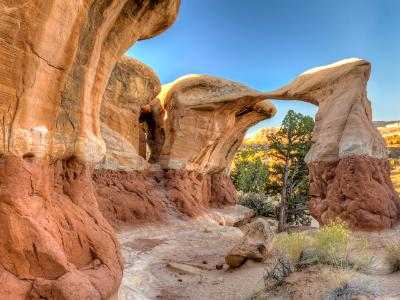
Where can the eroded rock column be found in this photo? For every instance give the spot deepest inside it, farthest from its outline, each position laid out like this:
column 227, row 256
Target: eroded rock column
column 348, row 162
column 56, row 58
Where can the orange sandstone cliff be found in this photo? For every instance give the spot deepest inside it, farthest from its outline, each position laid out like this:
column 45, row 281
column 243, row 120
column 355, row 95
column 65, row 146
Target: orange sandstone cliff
column 56, row 58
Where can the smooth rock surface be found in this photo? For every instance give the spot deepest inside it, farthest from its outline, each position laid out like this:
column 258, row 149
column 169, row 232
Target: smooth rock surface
column 213, row 112
column 183, row 268
column 132, row 85
column 148, row 249
column 56, row 58
column 63, row 53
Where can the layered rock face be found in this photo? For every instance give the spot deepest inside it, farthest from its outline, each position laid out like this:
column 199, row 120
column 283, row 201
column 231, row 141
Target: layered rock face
column 349, row 171
column 131, row 87
column 56, row 58
column 193, row 129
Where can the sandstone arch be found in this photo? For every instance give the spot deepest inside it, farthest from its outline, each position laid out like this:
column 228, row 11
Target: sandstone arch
column 350, row 175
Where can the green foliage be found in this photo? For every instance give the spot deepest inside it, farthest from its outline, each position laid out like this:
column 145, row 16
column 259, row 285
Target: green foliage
column 331, row 241
column 333, row 245
column 261, row 204
column 293, row 245
column 272, row 162
column 288, row 171
column 249, row 174
column 329, row 245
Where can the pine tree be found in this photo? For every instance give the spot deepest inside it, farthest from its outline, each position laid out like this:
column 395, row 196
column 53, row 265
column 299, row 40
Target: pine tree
column 289, row 174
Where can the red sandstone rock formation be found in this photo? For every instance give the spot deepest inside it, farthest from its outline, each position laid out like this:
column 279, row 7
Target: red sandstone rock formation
column 215, row 114
column 52, row 234
column 200, row 122
column 187, row 176
column 135, row 197
column 65, row 110
column 56, row 58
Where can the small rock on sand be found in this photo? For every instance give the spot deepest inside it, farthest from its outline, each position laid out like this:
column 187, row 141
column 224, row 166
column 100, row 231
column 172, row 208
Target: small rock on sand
column 183, row 268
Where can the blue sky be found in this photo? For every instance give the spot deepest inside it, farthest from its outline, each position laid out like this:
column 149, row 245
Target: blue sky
column 266, row 43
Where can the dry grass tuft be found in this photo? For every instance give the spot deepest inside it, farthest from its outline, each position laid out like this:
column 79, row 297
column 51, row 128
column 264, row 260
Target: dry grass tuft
column 293, row 245
column 392, row 254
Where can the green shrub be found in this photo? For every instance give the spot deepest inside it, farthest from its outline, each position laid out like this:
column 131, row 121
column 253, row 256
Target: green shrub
column 392, row 254
column 331, row 241
column 248, row 172
column 293, row 245
column 330, row 245
column 261, row 205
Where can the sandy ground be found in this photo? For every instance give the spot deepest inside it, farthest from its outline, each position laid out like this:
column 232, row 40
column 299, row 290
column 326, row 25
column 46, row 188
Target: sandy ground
column 201, row 243
column 384, row 287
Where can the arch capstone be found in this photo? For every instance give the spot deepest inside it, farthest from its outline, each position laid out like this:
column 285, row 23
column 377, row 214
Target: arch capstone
column 201, row 120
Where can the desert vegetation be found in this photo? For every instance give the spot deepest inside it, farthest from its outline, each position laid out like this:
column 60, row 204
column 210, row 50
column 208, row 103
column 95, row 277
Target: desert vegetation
column 331, row 245
column 270, row 172
column 332, row 255
column 392, row 254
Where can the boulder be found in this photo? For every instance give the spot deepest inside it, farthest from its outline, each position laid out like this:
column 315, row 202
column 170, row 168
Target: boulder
column 235, row 216
column 255, row 244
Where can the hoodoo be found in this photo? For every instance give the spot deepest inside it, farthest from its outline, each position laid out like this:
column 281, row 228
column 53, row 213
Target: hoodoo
column 348, row 162
column 56, row 58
